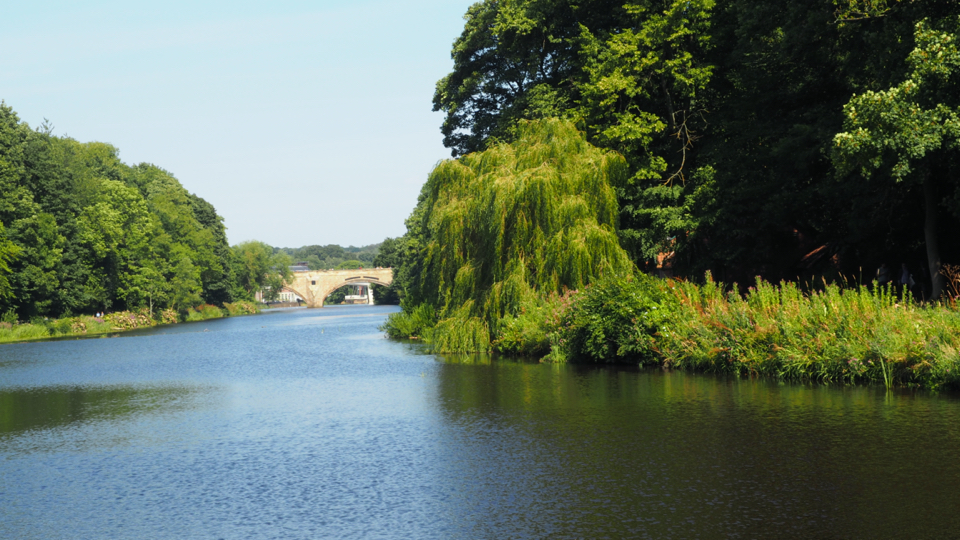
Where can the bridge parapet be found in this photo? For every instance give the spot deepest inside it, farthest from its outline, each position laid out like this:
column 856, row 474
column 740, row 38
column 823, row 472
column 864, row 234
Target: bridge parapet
column 316, row 285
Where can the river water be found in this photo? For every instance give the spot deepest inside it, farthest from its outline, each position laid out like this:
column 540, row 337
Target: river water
column 309, row 424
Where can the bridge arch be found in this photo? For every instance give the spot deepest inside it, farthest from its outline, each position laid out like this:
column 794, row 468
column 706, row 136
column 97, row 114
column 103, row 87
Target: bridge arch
column 315, row 286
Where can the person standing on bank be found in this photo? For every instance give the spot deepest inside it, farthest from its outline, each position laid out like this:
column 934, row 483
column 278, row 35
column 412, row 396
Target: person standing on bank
column 883, row 275
column 906, row 280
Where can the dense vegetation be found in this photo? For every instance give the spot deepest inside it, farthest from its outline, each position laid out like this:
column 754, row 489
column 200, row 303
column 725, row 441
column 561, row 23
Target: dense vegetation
column 747, row 154
column 743, row 156
column 82, row 232
column 835, row 334
column 498, row 231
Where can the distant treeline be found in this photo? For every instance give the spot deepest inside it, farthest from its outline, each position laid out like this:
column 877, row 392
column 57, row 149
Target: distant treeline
column 82, row 232
column 331, row 256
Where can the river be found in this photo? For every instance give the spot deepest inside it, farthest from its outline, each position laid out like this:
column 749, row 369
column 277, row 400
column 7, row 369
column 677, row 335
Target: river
column 309, row 424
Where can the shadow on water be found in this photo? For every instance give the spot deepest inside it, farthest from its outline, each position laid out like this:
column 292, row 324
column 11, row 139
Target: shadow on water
column 626, row 452
column 308, row 424
column 26, row 409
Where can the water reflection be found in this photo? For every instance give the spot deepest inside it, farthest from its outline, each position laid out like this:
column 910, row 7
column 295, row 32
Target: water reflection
column 623, row 452
column 308, row 424
column 25, row 409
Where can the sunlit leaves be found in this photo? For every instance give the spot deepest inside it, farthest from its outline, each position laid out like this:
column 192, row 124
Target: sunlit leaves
column 893, row 129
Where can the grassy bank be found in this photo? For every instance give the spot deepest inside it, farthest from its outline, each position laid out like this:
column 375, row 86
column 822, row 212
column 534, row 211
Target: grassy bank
column 84, row 325
column 844, row 335
column 851, row 335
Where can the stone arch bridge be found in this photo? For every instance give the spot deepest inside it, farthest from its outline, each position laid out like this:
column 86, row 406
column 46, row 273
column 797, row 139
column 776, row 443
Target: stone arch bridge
column 316, row 285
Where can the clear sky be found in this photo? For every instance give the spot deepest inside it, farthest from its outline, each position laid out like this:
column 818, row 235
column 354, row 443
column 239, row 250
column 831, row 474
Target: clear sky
column 301, row 122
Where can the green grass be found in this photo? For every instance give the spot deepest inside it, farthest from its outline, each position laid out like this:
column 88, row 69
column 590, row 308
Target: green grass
column 85, row 325
column 23, row 332
column 204, row 312
column 836, row 334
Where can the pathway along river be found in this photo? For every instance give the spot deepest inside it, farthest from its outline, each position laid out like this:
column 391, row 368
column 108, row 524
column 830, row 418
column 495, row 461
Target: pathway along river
column 309, row 424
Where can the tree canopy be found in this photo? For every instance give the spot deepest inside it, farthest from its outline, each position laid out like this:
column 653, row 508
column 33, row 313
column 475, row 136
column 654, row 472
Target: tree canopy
column 495, row 230
column 726, row 114
column 80, row 231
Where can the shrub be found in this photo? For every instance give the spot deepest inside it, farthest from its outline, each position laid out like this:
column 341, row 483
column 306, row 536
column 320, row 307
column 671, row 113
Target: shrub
column 841, row 335
column 129, row 320
column 241, row 307
column 530, row 332
column 9, row 317
column 412, row 324
column 614, row 319
column 168, row 316
column 60, row 326
column 204, row 312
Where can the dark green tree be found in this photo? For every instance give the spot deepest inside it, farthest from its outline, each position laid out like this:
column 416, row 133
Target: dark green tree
column 907, row 132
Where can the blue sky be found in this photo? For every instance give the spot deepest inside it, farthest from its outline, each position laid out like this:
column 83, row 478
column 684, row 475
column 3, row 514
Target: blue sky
column 302, row 122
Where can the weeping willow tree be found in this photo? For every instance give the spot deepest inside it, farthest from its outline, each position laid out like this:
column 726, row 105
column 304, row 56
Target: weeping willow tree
column 497, row 234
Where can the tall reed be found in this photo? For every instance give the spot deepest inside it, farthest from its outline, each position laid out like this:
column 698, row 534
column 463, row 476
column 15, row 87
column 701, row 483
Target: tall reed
column 835, row 334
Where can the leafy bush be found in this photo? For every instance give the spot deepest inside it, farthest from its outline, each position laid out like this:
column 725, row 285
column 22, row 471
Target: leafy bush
column 9, row 317
column 129, row 320
column 530, row 332
column 204, row 312
column 168, row 316
column 60, row 326
column 614, row 319
column 241, row 307
column 413, row 324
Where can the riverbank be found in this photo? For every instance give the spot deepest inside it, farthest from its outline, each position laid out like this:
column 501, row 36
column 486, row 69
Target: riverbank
column 844, row 335
column 121, row 321
column 831, row 335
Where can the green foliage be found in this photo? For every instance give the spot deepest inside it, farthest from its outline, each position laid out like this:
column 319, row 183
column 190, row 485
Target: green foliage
column 277, row 277
column 641, row 83
column 350, row 265
column 905, row 131
column 34, row 274
column 330, row 256
column 92, row 233
column 204, row 312
column 185, row 285
column 23, row 332
column 241, row 307
column 416, row 323
column 726, row 115
column 8, row 254
column 614, row 319
column 532, row 331
column 515, row 60
column 832, row 335
column 461, row 333
column 897, row 127
column 500, row 228
column 336, row 297
column 258, row 267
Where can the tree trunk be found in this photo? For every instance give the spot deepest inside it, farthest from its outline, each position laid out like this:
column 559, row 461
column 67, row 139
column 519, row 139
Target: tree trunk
column 930, row 234
column 669, row 102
